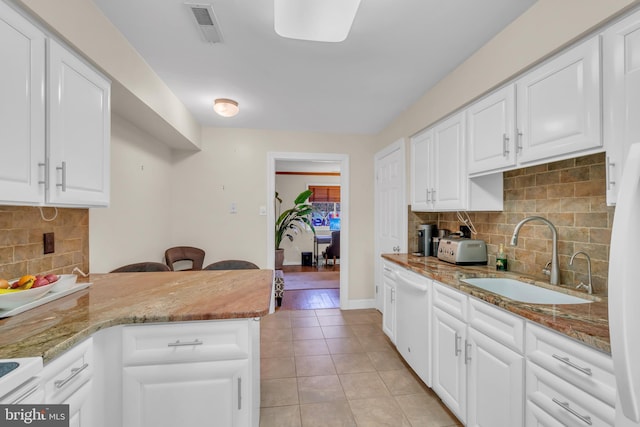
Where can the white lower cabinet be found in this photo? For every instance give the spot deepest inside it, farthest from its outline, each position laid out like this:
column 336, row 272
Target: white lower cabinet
column 389, row 301
column 189, row 394
column 69, row 380
column 191, row 373
column 449, row 370
column 495, row 382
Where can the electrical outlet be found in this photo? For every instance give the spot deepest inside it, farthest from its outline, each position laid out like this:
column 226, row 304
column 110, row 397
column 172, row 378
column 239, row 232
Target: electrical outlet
column 49, row 243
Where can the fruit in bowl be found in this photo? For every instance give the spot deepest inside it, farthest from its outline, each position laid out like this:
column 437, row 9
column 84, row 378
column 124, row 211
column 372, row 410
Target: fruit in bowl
column 15, row 297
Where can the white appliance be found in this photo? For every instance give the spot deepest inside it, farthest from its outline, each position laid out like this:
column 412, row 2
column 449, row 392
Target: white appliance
column 624, row 293
column 21, row 383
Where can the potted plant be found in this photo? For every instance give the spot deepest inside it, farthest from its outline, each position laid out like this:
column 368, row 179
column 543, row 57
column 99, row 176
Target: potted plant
column 291, row 222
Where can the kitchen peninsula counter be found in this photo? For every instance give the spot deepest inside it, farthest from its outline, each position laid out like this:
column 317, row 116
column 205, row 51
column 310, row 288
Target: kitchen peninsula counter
column 588, row 323
column 133, row 298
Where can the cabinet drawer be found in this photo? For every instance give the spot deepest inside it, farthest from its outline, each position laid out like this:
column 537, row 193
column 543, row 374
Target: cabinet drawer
column 184, row 342
column 564, row 402
column 450, row 301
column 66, row 374
column 388, row 270
column 498, row 324
column 584, row 367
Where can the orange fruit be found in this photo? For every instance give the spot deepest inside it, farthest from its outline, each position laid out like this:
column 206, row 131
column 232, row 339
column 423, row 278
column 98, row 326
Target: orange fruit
column 26, row 281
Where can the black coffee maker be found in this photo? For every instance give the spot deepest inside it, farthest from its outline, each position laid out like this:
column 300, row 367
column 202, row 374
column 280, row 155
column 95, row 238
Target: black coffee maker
column 426, row 232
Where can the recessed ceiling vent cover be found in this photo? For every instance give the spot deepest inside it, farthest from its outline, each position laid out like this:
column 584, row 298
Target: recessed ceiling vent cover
column 206, row 21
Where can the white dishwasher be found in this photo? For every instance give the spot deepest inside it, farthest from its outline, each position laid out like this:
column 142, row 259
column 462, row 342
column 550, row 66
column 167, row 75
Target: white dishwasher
column 413, row 321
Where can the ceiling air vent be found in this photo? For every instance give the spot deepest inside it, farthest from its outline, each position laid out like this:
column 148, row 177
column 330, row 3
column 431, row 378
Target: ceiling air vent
column 206, row 21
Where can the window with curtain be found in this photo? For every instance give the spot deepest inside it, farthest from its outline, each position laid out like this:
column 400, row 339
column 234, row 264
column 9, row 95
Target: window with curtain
column 326, row 203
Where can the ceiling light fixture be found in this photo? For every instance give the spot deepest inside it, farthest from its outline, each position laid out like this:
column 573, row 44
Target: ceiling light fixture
column 315, row 20
column 225, row 107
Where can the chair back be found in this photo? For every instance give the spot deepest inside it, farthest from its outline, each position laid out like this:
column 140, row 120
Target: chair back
column 232, row 264
column 335, row 243
column 142, row 267
column 185, row 253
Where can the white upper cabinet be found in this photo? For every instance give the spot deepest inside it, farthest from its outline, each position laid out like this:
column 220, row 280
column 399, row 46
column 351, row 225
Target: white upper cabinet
column 79, row 130
column 60, row 157
column 490, row 132
column 621, row 81
column 22, row 112
column 558, row 105
column 450, row 175
column 422, row 171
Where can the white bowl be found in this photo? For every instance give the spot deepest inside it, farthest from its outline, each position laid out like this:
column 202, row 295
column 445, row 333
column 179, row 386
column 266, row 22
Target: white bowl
column 64, row 282
column 15, row 299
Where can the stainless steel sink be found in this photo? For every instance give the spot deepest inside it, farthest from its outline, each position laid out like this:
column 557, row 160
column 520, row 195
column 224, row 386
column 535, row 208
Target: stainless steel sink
column 523, row 292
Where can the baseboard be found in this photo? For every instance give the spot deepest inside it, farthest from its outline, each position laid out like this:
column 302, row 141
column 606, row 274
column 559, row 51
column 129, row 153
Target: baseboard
column 355, row 304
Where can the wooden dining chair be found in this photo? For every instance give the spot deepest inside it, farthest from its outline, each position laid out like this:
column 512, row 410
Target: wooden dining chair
column 185, row 253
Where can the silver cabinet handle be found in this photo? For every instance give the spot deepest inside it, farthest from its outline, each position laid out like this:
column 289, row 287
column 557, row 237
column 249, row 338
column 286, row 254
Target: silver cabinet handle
column 519, row 141
column 610, row 181
column 428, row 195
column 386, row 269
column 26, row 394
column 74, row 373
column 239, row 394
column 45, row 181
column 458, row 340
column 433, row 195
column 565, row 405
column 505, row 145
column 63, row 169
column 185, row 344
column 393, row 295
column 467, row 352
column 566, row 360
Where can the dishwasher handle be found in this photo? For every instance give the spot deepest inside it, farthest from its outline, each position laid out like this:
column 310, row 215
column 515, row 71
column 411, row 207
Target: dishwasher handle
column 412, row 284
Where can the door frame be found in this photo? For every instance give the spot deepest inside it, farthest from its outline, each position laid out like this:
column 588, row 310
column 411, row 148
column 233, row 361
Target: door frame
column 343, row 159
column 400, row 146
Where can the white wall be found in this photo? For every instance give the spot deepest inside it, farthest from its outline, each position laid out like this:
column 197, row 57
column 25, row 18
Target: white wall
column 137, row 225
column 288, row 188
column 232, row 167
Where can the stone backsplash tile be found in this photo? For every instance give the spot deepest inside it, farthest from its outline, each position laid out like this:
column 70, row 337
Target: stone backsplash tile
column 571, row 194
column 21, row 245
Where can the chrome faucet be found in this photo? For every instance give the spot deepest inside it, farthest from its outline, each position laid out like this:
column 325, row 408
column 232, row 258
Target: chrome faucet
column 589, row 286
column 554, row 278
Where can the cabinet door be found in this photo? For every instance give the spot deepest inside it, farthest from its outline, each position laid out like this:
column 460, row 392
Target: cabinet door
column 389, row 308
column 421, row 171
column 79, row 129
column 80, row 406
column 495, row 387
column 186, row 394
column 490, row 132
column 449, row 371
column 449, row 165
column 558, row 105
column 621, row 89
column 22, row 113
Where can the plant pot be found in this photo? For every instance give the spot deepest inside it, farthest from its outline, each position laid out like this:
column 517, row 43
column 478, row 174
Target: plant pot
column 279, row 259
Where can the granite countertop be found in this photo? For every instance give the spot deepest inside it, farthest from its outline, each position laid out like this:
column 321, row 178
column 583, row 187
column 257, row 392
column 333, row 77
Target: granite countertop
column 127, row 298
column 588, row 323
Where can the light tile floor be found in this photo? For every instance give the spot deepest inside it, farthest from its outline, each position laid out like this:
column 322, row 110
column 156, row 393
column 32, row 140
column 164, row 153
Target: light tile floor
column 337, row 368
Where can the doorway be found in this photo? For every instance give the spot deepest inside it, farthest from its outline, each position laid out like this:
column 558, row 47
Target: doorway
column 314, row 158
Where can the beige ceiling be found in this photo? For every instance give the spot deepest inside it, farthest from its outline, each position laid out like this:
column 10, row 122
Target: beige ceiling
column 395, row 52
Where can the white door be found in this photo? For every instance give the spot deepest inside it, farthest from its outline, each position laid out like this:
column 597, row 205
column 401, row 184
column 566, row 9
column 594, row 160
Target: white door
column 621, row 90
column 558, row 105
column 495, row 383
column 421, row 171
column 449, row 371
column 186, row 394
column 450, row 164
column 491, row 131
column 79, row 129
column 391, row 214
column 22, row 143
